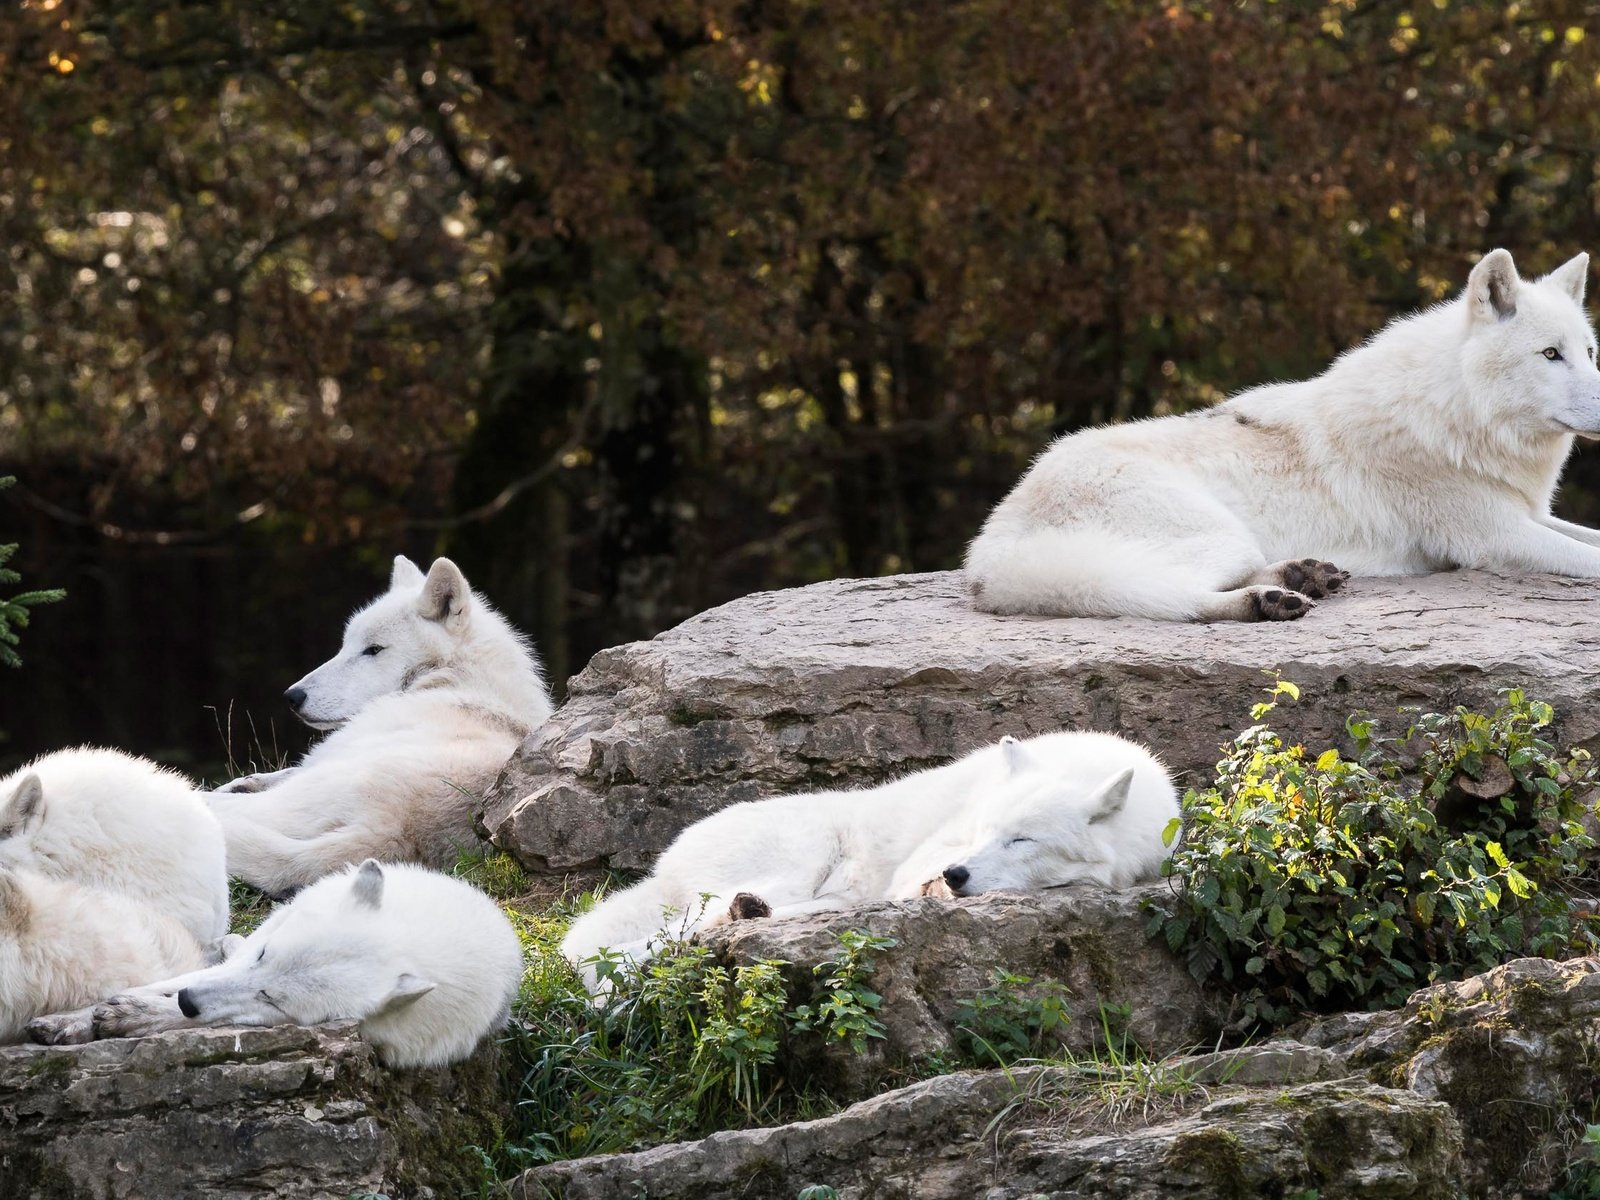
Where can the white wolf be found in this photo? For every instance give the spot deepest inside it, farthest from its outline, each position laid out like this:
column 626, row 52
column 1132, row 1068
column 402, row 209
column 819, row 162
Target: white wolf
column 64, row 946
column 427, row 964
column 428, row 696
column 1435, row 445
column 1051, row 810
column 122, row 824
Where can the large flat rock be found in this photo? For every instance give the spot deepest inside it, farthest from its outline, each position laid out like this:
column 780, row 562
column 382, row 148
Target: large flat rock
column 228, row 1114
column 854, row 681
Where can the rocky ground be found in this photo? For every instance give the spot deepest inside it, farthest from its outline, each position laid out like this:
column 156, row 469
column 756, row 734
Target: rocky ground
column 296, row 1114
column 855, row 681
column 1479, row 1089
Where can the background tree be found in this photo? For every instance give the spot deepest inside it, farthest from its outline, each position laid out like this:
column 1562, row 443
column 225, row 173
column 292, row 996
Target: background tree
column 635, row 307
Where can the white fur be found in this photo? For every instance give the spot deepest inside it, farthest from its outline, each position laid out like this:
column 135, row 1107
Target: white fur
column 419, row 730
column 427, row 964
column 1051, row 810
column 65, row 946
column 112, row 821
column 1435, row 445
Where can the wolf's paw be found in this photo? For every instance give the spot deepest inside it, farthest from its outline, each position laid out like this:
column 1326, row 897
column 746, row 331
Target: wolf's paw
column 1313, row 577
column 245, row 783
column 63, row 1029
column 134, row 1016
column 1277, row 604
column 747, row 906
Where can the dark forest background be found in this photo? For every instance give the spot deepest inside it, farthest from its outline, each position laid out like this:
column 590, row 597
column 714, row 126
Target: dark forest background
column 634, row 306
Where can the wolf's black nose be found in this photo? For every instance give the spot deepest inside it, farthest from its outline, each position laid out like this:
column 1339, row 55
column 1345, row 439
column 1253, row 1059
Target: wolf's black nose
column 296, row 698
column 956, row 877
column 186, row 1004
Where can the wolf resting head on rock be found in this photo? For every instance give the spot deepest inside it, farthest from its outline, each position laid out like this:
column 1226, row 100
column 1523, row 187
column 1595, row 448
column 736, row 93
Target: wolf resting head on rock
column 1055, row 809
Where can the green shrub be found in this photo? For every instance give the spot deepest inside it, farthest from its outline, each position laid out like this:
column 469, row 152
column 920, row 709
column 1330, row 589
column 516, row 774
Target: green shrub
column 847, row 1009
column 14, row 610
column 683, row 1046
column 1010, row 1018
column 1310, row 881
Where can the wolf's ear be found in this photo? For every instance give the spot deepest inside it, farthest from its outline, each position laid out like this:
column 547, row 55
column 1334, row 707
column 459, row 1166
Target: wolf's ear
column 367, row 890
column 1572, row 276
column 406, row 574
column 446, row 598
column 1108, row 801
column 407, row 990
column 25, row 809
column 1492, row 287
column 1016, row 759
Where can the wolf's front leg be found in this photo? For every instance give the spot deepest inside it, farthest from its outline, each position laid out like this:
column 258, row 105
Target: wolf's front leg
column 1530, row 545
column 259, row 782
column 1581, row 533
column 139, row 1012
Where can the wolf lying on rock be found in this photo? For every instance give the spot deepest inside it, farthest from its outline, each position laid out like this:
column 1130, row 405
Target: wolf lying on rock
column 1048, row 811
column 1435, row 445
column 428, row 696
column 428, row 964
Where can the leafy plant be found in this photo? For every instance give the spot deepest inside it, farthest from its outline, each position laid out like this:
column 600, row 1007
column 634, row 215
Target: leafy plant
column 1010, row 1018
column 1314, row 881
column 684, row 1045
column 14, row 610
column 848, row 1008
column 1582, row 1181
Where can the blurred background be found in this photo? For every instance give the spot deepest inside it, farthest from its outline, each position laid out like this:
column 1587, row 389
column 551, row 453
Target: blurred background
column 634, row 306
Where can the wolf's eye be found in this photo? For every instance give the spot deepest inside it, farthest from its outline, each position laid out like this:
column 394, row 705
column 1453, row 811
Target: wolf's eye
column 372, row 651
column 1551, row 353
column 262, row 955
column 1019, row 841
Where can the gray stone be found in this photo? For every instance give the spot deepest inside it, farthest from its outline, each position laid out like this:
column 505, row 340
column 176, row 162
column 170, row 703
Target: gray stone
column 293, row 1113
column 854, row 681
column 1013, row 1136
column 1280, row 1061
column 1511, row 1051
column 1087, row 938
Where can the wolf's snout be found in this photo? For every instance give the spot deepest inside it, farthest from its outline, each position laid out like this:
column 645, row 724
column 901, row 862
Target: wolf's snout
column 956, row 877
column 186, row 1004
column 296, row 697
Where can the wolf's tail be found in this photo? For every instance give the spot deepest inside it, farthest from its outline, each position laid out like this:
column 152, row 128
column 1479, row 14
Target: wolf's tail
column 1084, row 573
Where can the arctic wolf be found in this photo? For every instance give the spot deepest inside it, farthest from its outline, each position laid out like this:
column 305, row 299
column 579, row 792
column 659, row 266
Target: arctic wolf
column 122, row 824
column 428, row 696
column 427, row 964
column 1050, row 810
column 1435, row 445
column 67, row 946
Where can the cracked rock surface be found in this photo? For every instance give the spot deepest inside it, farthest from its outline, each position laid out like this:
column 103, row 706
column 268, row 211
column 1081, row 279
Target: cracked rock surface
column 854, row 681
column 228, row 1114
column 1002, row 1136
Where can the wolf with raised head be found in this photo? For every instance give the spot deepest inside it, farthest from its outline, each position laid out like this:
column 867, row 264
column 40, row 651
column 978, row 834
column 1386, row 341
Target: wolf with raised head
column 121, row 824
column 429, row 694
column 1435, row 445
column 427, row 964
column 1052, row 810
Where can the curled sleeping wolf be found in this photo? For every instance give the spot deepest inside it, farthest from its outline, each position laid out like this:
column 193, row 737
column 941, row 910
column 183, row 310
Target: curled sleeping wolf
column 1435, row 445
column 427, row 964
column 426, row 699
column 111, row 874
column 1050, row 810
